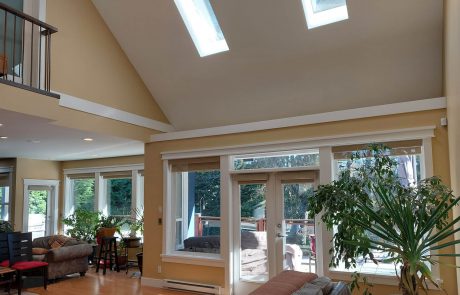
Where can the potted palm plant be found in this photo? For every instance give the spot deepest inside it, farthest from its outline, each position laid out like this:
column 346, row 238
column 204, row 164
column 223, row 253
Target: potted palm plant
column 372, row 210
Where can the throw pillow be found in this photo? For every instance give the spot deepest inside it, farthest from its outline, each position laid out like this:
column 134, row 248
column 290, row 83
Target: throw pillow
column 324, row 283
column 308, row 289
column 341, row 289
column 56, row 245
column 39, row 251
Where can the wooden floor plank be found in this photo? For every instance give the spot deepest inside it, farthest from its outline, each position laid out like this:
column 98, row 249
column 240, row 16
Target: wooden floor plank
column 96, row 283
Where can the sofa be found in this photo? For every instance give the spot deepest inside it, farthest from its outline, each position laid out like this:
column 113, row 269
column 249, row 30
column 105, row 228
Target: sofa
column 290, row 282
column 64, row 255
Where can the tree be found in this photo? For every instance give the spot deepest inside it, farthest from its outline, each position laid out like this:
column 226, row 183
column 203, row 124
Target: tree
column 37, row 202
column 83, row 191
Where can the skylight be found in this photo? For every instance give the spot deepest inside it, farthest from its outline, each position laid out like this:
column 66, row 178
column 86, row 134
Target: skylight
column 323, row 12
column 201, row 22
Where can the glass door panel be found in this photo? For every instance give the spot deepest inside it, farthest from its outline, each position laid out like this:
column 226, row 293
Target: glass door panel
column 38, row 212
column 253, row 237
column 300, row 240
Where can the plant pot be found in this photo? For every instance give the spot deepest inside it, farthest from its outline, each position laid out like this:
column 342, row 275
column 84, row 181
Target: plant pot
column 122, row 260
column 133, row 242
column 104, row 232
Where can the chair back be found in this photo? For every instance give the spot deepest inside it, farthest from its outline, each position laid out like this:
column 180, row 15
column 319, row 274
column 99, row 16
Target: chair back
column 20, row 247
column 4, row 247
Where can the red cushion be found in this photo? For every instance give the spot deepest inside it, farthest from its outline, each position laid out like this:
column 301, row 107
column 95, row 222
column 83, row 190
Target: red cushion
column 5, row 263
column 25, row 265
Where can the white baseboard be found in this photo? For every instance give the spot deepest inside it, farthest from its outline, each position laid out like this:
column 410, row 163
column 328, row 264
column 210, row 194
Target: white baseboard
column 151, row 282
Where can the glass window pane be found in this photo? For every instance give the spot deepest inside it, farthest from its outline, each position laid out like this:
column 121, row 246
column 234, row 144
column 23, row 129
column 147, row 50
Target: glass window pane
column 198, row 208
column 281, row 160
column 322, row 5
column 409, row 171
column 38, row 203
column 83, row 193
column 119, row 196
column 253, row 255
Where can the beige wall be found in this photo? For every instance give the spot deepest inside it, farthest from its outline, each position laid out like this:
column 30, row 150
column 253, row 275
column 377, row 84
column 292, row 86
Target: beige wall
column 87, row 61
column 452, row 92
column 31, row 169
column 154, row 182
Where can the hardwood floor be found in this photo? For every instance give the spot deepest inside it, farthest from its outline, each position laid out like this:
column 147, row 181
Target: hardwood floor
column 96, row 283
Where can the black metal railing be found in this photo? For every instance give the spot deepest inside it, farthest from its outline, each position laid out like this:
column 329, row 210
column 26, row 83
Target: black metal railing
column 25, row 51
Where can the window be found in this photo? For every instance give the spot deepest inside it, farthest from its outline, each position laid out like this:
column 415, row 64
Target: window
column 201, row 22
column 408, row 169
column 83, row 193
column 277, row 160
column 5, row 195
column 109, row 190
column 119, row 196
column 196, row 205
column 324, row 12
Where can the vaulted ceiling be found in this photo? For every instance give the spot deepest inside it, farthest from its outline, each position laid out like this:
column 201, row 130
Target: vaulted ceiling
column 388, row 51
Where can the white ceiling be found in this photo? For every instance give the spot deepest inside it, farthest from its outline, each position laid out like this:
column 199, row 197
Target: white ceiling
column 55, row 142
column 388, row 51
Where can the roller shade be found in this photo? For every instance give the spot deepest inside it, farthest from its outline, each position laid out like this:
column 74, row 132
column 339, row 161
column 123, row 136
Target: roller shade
column 4, row 179
column 117, row 174
column 39, row 188
column 398, row 148
column 252, row 178
column 195, row 164
column 81, row 176
column 298, row 176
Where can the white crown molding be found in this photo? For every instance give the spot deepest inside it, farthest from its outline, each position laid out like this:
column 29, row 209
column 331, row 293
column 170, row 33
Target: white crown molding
column 358, row 113
column 422, row 132
column 90, row 107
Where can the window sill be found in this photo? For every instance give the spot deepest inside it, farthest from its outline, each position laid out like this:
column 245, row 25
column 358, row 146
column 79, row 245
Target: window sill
column 204, row 260
column 389, row 280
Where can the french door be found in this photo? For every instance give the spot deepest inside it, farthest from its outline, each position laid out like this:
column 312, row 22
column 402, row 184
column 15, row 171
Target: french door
column 273, row 229
column 40, row 207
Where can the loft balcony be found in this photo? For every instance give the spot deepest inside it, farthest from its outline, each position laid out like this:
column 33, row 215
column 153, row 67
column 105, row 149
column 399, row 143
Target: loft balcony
column 25, row 51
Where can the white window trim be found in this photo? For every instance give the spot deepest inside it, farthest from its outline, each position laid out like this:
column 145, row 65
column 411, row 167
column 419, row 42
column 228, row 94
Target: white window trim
column 53, row 203
column 169, row 253
column 322, row 18
column 425, row 133
column 326, row 177
column 101, row 200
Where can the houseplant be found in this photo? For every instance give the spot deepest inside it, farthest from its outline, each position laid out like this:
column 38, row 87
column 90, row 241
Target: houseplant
column 82, row 224
column 136, row 225
column 6, row 226
column 109, row 225
column 371, row 210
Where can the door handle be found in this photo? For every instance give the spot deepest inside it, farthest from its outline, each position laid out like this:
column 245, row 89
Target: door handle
column 279, row 235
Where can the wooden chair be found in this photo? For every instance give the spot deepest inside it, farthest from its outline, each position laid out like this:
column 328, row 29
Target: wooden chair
column 20, row 258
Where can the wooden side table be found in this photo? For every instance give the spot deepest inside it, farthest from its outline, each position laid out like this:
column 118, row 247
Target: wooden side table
column 6, row 277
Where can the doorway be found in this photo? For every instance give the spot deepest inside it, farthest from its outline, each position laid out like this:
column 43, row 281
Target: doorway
column 274, row 230
column 40, row 207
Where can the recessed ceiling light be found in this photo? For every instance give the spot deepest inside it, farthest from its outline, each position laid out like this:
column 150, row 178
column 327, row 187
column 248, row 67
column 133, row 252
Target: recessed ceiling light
column 3, row 137
column 1, row 124
column 88, row 139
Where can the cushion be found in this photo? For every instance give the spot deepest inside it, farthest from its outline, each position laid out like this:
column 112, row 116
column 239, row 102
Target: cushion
column 5, row 263
column 56, row 245
column 309, row 289
column 274, row 288
column 340, row 289
column 324, row 283
column 39, row 251
column 25, row 265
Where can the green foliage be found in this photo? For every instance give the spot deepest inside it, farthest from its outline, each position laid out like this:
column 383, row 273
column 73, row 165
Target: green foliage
column 37, row 202
column 407, row 222
column 207, row 192
column 120, row 192
column 6, row 226
column 83, row 191
column 136, row 224
column 82, row 224
column 111, row 222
